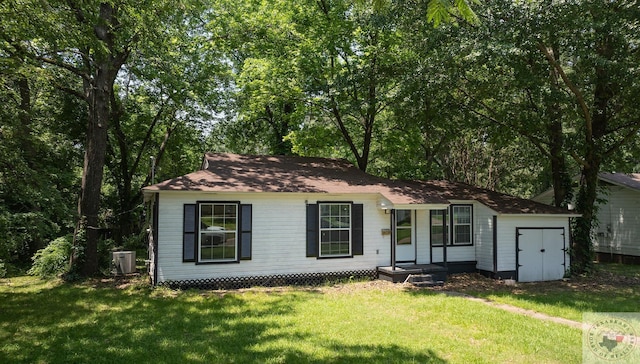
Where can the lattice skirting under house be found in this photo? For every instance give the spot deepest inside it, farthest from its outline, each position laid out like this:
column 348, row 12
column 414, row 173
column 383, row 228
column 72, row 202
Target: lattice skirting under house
column 301, row 279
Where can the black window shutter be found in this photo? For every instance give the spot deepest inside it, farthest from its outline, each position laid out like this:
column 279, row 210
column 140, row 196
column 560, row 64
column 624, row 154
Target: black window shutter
column 245, row 232
column 312, row 230
column 357, row 229
column 189, row 233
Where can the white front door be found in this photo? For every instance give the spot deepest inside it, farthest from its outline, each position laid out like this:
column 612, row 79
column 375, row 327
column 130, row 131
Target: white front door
column 405, row 244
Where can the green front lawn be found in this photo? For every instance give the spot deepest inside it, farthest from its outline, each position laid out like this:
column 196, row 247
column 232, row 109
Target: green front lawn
column 626, row 270
column 370, row 322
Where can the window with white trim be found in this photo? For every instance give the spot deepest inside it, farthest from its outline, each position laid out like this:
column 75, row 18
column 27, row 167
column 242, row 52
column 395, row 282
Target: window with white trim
column 335, row 229
column 461, row 225
column 218, row 235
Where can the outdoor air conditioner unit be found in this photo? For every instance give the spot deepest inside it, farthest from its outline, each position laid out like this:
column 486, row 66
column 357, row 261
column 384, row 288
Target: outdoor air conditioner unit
column 124, row 262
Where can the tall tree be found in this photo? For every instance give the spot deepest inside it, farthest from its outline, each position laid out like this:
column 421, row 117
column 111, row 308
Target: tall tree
column 265, row 103
column 320, row 65
column 358, row 70
column 503, row 82
column 604, row 87
column 164, row 100
column 37, row 159
column 565, row 82
column 91, row 41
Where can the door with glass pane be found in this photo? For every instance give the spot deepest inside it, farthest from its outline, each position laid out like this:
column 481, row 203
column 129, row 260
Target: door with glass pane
column 438, row 234
column 404, row 237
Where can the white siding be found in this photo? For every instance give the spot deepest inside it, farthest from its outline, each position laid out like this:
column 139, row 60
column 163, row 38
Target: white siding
column 618, row 229
column 507, row 235
column 464, row 253
column 436, row 254
column 278, row 239
column 483, row 236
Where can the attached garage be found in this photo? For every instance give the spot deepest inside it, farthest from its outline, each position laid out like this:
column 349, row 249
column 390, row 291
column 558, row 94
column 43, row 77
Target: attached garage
column 540, row 254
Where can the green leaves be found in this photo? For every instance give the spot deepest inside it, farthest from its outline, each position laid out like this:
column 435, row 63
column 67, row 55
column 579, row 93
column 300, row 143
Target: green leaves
column 441, row 11
column 410, row 89
column 38, row 181
column 438, row 11
column 52, row 260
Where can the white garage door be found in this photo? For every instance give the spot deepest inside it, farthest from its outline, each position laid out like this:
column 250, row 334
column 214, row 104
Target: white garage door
column 541, row 254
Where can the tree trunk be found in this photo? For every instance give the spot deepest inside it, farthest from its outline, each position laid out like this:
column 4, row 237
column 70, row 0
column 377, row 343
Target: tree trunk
column 92, row 174
column 279, row 125
column 559, row 175
column 582, row 247
column 124, row 174
column 105, row 64
column 596, row 125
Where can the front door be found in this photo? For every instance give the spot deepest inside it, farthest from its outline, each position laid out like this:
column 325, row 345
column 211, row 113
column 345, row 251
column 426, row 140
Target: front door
column 405, row 244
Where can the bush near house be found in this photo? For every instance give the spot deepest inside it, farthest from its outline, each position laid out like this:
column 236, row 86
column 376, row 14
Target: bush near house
column 53, row 260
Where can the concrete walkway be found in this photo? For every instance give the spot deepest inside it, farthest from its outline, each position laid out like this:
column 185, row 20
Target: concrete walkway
column 514, row 309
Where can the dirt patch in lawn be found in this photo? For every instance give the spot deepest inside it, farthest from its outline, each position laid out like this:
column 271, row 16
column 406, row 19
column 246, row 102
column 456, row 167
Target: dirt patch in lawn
column 599, row 281
column 594, row 292
column 468, row 283
column 336, row 288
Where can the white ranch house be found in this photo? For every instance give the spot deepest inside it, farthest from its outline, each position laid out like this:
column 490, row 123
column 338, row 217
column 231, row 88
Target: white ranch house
column 281, row 218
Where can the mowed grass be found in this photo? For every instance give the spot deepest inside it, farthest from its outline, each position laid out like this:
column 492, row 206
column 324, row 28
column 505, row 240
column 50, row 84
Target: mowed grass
column 627, row 270
column 611, row 288
column 370, row 322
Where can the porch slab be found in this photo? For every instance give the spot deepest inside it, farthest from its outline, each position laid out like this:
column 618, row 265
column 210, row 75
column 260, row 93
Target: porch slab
column 401, row 272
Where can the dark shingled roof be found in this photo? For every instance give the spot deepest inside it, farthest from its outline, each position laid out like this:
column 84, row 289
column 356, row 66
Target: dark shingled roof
column 244, row 173
column 499, row 202
column 629, row 180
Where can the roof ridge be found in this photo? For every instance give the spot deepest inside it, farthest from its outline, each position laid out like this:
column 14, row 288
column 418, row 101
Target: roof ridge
column 239, row 173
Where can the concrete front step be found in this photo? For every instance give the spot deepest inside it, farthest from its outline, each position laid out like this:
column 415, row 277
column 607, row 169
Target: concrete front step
column 424, row 280
column 428, row 284
column 401, row 273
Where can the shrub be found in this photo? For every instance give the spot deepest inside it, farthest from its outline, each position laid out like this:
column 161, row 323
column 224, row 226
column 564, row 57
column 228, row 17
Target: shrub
column 105, row 248
column 135, row 241
column 53, row 260
column 3, row 269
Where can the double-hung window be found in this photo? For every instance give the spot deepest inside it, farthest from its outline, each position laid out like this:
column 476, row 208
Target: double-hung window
column 335, row 229
column 461, row 224
column 452, row 226
column 218, row 235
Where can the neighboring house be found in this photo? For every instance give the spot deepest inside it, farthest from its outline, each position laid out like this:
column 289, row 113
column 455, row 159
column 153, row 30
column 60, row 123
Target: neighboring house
column 281, row 217
column 617, row 234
